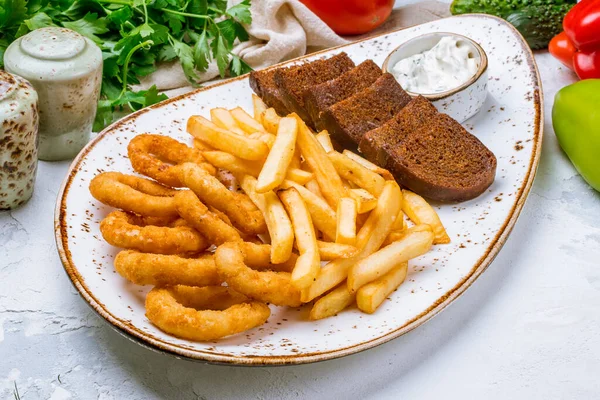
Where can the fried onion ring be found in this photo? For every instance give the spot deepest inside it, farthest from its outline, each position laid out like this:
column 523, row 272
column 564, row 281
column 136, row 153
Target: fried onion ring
column 125, row 230
column 268, row 286
column 134, row 194
column 166, row 270
column 207, row 223
column 243, row 214
column 258, row 257
column 159, row 157
column 203, row 313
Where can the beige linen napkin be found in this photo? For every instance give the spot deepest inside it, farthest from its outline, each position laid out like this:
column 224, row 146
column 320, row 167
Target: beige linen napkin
column 282, row 30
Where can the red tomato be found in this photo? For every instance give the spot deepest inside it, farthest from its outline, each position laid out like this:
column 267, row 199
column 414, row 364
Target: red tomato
column 587, row 64
column 562, row 49
column 351, row 17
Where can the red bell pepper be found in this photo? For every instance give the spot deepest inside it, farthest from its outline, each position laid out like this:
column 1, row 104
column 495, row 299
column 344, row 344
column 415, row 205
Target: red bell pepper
column 578, row 47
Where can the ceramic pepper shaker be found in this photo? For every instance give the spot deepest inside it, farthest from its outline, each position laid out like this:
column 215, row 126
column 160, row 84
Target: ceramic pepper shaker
column 65, row 68
column 18, row 140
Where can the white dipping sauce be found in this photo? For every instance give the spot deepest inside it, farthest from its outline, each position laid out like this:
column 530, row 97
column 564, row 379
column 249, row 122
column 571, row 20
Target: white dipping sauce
column 447, row 65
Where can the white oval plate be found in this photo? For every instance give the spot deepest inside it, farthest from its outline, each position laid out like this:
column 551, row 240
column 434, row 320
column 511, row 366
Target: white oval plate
column 509, row 124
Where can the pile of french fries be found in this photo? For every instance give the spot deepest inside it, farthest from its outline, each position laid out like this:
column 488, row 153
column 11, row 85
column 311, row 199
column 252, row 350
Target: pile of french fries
column 342, row 214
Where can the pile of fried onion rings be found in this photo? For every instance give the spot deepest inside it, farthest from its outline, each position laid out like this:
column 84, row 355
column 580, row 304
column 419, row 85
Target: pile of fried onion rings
column 168, row 224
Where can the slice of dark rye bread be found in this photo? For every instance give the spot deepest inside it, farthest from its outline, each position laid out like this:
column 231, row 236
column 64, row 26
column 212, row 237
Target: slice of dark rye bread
column 348, row 120
column 442, row 161
column 264, row 86
column 318, row 98
column 294, row 81
column 377, row 144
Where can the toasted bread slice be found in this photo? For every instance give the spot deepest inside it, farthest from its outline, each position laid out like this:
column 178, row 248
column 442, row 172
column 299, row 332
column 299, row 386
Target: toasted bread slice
column 442, row 161
column 377, row 144
column 348, row 120
column 264, row 86
column 294, row 81
column 318, row 98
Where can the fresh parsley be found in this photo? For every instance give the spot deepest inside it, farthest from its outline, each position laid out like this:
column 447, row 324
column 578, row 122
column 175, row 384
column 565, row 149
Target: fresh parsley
column 134, row 35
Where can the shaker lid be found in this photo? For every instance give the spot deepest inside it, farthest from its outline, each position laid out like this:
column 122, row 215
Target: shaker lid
column 52, row 54
column 8, row 84
column 53, row 43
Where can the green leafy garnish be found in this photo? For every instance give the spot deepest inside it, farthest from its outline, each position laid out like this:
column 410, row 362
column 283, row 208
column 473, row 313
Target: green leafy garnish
column 134, row 35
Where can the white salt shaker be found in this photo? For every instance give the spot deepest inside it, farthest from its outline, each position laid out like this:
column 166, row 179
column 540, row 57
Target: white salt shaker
column 18, row 140
column 65, row 68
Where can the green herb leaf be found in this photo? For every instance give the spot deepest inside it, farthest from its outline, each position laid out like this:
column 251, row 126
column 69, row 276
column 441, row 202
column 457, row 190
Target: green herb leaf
column 146, row 30
column 160, row 35
column 240, row 31
column 143, row 70
column 202, row 53
column 167, row 53
column 90, row 26
column 227, row 31
column 239, row 66
column 121, row 15
column 12, row 13
column 241, row 12
column 39, row 20
column 199, row 7
column 186, row 58
column 110, row 67
column 152, row 96
column 175, row 22
column 104, row 115
column 220, row 53
column 220, row 5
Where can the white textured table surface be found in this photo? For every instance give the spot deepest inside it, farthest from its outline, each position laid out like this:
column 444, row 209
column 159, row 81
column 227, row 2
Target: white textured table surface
column 529, row 328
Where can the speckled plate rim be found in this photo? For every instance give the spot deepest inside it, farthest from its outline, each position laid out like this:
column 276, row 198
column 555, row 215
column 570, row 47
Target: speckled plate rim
column 160, row 345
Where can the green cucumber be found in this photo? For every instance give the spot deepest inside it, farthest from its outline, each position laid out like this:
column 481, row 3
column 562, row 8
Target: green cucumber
column 537, row 20
column 539, row 24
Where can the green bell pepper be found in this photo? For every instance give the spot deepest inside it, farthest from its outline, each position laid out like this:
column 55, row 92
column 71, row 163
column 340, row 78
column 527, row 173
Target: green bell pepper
column 576, row 121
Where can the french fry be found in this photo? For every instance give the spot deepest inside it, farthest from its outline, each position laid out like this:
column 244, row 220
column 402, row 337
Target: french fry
column 346, row 221
column 332, row 303
column 233, row 164
column 299, row 176
column 360, row 221
column 239, row 167
column 394, row 236
column 313, row 186
column 278, row 223
column 371, row 236
column 381, row 262
column 373, row 233
column 387, row 175
column 275, row 168
column 245, row 121
column 259, row 107
column 200, row 145
column 356, row 173
column 309, row 262
column 400, row 223
column 295, row 163
column 222, row 118
column 330, row 251
column 365, row 201
column 420, row 212
column 270, row 120
column 325, row 140
column 321, row 166
column 370, row 296
column 265, row 137
column 322, row 214
column 221, row 139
